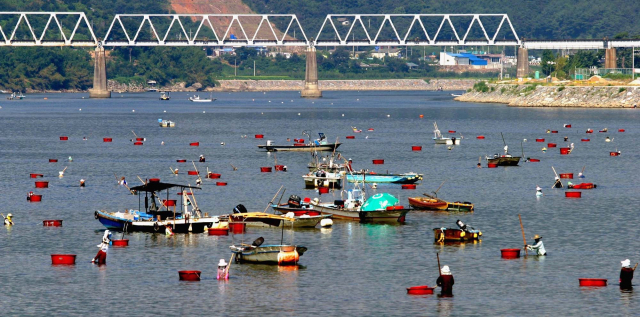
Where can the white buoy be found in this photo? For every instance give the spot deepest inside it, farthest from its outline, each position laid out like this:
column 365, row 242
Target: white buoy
column 343, row 114
column 298, row 113
column 388, row 116
column 326, row 222
column 165, row 111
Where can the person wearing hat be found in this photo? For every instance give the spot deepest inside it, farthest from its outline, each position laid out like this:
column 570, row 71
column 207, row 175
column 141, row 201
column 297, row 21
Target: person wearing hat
column 558, row 183
column 223, row 272
column 101, row 257
column 539, row 191
column 8, row 220
column 82, row 183
column 445, row 281
column 202, row 159
column 538, row 247
column 626, row 274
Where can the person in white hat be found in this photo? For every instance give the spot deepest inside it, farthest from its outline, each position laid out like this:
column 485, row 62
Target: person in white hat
column 538, row 247
column 82, row 183
column 202, row 159
column 101, row 257
column 538, row 191
column 445, row 281
column 223, row 272
column 626, row 274
column 8, row 220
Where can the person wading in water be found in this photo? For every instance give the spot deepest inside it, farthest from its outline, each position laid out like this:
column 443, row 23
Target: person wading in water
column 626, row 274
column 445, row 281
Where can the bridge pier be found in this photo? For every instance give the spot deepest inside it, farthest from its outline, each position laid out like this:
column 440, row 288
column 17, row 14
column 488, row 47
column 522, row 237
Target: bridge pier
column 610, row 58
column 100, row 76
column 523, row 62
column 311, row 89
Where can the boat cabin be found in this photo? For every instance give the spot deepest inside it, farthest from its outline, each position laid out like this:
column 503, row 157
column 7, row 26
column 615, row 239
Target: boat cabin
column 168, row 207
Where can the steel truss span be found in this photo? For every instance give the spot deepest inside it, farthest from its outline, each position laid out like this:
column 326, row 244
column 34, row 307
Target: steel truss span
column 235, row 30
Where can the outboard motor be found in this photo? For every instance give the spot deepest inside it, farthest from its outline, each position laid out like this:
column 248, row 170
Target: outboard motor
column 240, row 209
column 294, row 201
column 461, row 225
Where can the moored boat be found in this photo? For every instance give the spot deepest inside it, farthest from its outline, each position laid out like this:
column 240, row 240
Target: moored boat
column 268, row 254
column 440, row 139
column 370, row 177
column 382, row 207
column 320, row 144
column 262, row 219
column 166, row 123
column 462, row 233
column 323, row 179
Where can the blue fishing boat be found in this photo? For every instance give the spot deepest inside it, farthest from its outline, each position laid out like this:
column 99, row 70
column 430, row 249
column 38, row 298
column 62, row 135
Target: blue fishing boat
column 407, row 178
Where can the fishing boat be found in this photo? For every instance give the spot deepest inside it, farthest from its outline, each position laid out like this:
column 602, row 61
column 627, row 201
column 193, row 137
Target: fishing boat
column 382, row 206
column 266, row 220
column 15, row 96
column 196, row 98
column 165, row 96
column 166, row 123
column 505, row 159
column 440, row 139
column 371, row 177
column 432, row 202
column 329, row 163
column 319, row 144
column 323, row 179
column 158, row 216
column 462, row 233
column 280, row 254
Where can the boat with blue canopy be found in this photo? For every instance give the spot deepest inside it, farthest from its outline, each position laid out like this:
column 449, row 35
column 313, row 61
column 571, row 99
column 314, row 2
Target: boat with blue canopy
column 370, row 177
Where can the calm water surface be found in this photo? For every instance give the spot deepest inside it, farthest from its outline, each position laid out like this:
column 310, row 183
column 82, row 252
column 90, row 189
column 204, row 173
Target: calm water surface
column 351, row 269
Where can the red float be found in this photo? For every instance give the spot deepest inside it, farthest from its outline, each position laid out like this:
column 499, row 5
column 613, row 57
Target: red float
column 279, row 168
column 265, row 169
column 42, row 184
column 323, row 190
column 409, row 186
column 137, row 143
column 452, row 131
column 33, row 175
column 169, row 202
column 416, row 148
column 221, row 184
column 614, row 153
column 351, row 137
column 566, row 175
column 181, row 161
column 573, row 194
column 565, row 150
column 237, row 227
column 585, row 140
column 510, row 253
column 214, row 175
column 492, row 165
column 192, row 173
column 189, row 275
column 299, row 144
column 539, row 140
column 420, row 290
column 64, row 138
column 140, row 139
column 107, row 140
column 194, row 144
column 52, row 223
column 378, row 162
column 63, row 259
column 620, row 130
column 552, row 145
column 532, row 160
column 567, row 126
column 53, row 160
column 120, row 242
column 34, row 198
column 554, row 131
column 218, row 231
column 593, row 282
column 480, row 137
column 154, row 180
column 259, row 136
column 371, row 129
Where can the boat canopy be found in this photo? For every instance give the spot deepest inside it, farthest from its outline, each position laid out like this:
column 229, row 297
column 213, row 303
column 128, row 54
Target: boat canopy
column 379, row 202
column 158, row 186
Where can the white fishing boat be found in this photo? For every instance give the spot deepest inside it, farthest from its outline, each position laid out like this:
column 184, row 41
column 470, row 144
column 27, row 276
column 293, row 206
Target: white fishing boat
column 196, row 98
column 268, row 254
column 166, row 123
column 15, row 96
column 165, row 96
column 440, row 139
column 323, row 179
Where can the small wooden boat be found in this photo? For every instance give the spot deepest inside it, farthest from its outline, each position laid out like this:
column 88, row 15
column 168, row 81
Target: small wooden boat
column 262, row 219
column 440, row 139
column 320, row 144
column 582, row 186
column 432, row 203
column 462, row 233
column 268, row 254
column 370, row 177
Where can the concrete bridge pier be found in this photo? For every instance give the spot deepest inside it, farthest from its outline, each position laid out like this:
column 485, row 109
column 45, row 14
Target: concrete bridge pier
column 523, row 62
column 610, row 58
column 311, row 89
column 100, row 76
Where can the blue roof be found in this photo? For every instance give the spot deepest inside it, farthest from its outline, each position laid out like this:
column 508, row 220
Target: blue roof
column 473, row 60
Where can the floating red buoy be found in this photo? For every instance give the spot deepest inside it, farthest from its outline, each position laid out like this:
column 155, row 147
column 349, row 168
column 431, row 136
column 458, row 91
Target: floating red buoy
column 137, row 143
column 378, row 162
column 35, row 198
column 554, row 131
column 492, row 165
column 259, row 136
column 181, row 161
column 323, row 190
column 566, row 175
column 416, row 148
column 214, row 175
column 539, row 140
column 593, row 282
column 620, row 130
column 420, row 290
column 221, row 184
column 140, row 139
column 189, row 275
column 572, row 194
column 585, row 140
column 107, row 140
column 351, row 137
column 51, row 223
column 42, row 184
column 371, row 129
column 552, row 145
column 565, row 150
column 154, row 180
column 480, row 137
column 194, row 144
column 192, row 173
column 279, row 167
column 218, row 231
column 510, row 253
column 53, row 160
column 33, row 175
column 567, row 126
column 452, row 131
column 237, row 227
column 409, row 186
column 614, row 153
column 534, row 160
column 64, row 138
column 63, row 259
column 120, row 242
column 265, row 169
column 169, row 202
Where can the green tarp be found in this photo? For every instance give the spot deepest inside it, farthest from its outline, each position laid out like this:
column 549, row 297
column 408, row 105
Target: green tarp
column 379, row 202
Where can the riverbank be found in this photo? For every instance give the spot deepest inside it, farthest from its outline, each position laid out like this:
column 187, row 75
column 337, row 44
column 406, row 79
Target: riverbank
column 557, row 96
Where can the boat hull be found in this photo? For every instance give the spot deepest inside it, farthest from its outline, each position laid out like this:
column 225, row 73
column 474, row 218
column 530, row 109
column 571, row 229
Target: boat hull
column 447, row 141
column 150, row 226
column 451, row 234
column 385, row 178
column 439, row 205
column 302, row 148
column 505, row 161
column 270, row 254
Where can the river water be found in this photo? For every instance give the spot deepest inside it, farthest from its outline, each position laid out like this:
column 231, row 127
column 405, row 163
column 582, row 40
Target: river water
column 352, row 268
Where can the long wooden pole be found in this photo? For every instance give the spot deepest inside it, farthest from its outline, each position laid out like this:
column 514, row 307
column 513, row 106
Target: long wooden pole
column 526, row 253
column 272, row 199
column 229, row 266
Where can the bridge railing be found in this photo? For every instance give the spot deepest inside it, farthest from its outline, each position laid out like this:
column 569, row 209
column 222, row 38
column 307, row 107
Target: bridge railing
column 15, row 21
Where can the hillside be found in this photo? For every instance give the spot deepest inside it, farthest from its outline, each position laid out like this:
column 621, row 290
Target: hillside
column 544, row 19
